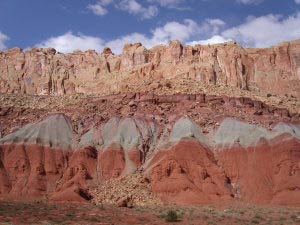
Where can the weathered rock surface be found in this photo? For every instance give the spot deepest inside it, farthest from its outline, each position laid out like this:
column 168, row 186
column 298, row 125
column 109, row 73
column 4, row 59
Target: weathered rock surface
column 232, row 132
column 184, row 169
column 181, row 163
column 125, row 143
column 33, row 158
column 263, row 165
column 30, row 170
column 187, row 173
column 40, row 160
column 45, row 71
column 55, row 131
column 267, row 172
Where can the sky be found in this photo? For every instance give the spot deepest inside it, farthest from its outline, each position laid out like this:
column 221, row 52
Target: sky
column 69, row 25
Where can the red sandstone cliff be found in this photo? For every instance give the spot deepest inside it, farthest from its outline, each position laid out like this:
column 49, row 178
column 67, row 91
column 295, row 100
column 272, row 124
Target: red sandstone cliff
column 45, row 71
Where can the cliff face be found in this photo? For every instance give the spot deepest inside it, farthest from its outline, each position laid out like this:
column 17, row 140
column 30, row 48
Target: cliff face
column 45, row 71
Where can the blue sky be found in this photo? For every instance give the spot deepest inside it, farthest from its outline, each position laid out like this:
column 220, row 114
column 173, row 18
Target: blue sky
column 68, row 25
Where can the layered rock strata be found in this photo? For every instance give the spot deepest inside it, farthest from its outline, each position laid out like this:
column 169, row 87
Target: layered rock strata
column 273, row 70
column 263, row 165
column 238, row 161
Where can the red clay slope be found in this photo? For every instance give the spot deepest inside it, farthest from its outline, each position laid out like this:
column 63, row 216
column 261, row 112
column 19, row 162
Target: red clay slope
column 181, row 163
column 268, row 172
column 187, row 173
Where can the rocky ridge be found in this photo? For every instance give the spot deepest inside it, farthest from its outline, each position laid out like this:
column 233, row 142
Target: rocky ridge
column 86, row 111
column 274, row 70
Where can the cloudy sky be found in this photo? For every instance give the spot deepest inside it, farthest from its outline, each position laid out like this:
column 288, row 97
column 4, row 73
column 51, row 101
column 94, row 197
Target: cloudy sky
column 68, row 25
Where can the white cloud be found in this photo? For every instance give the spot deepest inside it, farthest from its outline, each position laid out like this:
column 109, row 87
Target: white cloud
column 297, row 1
column 99, row 7
column 161, row 35
column 117, row 45
column 248, row 2
column 266, row 30
column 167, row 3
column 261, row 31
column 212, row 26
column 174, row 30
column 135, row 8
column 3, row 39
column 105, row 2
column 184, row 32
column 69, row 42
column 130, row 6
column 216, row 22
column 216, row 39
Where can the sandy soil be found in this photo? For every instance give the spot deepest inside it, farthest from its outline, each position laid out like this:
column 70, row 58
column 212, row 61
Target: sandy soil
column 41, row 213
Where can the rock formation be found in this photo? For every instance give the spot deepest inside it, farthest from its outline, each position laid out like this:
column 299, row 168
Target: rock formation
column 185, row 171
column 196, row 125
column 263, row 165
column 274, row 70
column 240, row 161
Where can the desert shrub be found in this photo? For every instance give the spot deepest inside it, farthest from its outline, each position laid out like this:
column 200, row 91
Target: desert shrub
column 172, row 216
column 255, row 221
column 94, row 219
column 293, row 217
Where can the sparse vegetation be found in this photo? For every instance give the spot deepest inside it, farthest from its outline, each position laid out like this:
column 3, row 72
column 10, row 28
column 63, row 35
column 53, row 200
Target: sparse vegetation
column 255, row 221
column 171, row 216
column 293, row 217
column 94, row 219
column 40, row 214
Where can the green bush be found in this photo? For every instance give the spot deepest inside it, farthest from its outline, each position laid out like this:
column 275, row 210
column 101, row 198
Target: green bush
column 171, row 216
